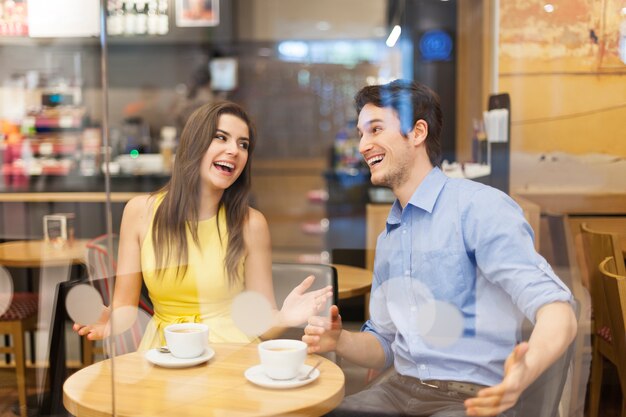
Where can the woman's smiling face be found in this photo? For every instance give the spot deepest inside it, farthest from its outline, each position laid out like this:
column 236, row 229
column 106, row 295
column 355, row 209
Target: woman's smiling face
column 227, row 154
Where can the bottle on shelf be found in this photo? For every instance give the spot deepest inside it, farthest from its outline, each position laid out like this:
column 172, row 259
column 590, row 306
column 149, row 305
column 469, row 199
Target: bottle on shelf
column 167, row 145
column 130, row 18
column 141, row 20
column 153, row 18
column 163, row 18
column 115, row 18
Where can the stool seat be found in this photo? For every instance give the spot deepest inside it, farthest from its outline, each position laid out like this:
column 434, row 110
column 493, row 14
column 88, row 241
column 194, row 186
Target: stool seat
column 20, row 317
column 23, row 305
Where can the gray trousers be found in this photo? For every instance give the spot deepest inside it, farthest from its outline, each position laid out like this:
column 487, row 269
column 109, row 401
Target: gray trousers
column 398, row 396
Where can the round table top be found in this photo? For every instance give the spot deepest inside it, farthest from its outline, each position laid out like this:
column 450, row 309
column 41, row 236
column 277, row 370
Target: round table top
column 217, row 387
column 353, row 281
column 40, row 253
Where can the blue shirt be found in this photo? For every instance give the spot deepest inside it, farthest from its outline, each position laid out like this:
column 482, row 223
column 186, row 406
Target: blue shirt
column 459, row 256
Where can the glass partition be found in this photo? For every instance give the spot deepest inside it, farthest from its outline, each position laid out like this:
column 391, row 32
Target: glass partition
column 112, row 188
column 53, row 193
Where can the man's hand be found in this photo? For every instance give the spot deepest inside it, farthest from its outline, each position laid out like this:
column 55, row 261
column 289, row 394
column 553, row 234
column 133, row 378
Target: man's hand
column 499, row 398
column 322, row 333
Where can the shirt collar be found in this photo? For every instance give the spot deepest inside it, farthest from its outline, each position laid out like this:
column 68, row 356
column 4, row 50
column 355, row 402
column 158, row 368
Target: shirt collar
column 424, row 197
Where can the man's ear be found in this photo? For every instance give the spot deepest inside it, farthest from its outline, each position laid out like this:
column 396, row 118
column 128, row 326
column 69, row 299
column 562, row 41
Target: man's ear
column 419, row 132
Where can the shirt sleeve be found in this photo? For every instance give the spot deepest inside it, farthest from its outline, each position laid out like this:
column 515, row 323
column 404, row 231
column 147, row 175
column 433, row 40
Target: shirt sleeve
column 500, row 239
column 380, row 323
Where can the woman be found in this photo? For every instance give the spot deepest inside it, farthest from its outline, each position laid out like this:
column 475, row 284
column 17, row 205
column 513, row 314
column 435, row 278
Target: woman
column 196, row 243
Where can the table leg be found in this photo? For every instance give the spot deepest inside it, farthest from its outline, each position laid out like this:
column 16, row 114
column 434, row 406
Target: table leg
column 49, row 278
column 30, row 287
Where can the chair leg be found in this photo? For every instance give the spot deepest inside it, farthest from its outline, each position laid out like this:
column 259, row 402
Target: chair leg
column 20, row 365
column 33, row 351
column 87, row 351
column 595, row 385
column 7, row 342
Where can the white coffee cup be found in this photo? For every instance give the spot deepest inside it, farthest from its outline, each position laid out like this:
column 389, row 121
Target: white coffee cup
column 282, row 358
column 187, row 340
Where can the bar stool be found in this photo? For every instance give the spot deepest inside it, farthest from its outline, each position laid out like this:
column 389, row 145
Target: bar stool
column 20, row 317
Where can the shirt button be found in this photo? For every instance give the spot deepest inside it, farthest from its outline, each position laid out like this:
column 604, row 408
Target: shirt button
column 422, row 367
column 404, row 231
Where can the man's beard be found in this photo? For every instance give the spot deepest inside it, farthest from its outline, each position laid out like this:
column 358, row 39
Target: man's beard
column 396, row 176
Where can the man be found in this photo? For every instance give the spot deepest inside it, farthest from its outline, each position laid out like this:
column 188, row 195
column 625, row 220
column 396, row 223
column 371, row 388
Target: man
column 455, row 272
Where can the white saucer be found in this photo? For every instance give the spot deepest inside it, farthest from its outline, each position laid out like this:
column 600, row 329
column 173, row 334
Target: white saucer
column 257, row 376
column 166, row 360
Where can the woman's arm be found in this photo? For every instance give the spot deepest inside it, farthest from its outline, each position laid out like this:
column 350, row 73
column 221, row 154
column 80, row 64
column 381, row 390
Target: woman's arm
column 258, row 263
column 299, row 304
column 128, row 276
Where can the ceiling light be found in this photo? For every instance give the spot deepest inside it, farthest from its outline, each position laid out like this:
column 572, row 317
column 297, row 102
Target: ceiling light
column 293, row 49
column 393, row 36
column 549, row 8
column 322, row 25
column 379, row 31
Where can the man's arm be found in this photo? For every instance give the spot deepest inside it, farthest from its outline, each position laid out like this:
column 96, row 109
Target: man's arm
column 554, row 331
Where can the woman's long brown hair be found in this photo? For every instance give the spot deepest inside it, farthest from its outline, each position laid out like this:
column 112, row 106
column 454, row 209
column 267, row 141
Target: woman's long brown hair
column 180, row 206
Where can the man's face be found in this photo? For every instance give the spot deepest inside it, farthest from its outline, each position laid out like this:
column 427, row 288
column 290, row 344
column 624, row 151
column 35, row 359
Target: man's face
column 387, row 152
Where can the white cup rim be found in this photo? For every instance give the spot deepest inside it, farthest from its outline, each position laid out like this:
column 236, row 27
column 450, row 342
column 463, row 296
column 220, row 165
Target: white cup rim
column 172, row 327
column 291, row 343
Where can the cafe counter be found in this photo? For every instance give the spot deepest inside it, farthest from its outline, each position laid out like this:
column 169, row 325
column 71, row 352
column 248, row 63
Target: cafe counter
column 23, row 206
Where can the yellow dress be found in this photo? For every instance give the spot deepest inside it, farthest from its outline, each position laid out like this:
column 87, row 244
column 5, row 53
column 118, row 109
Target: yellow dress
column 202, row 295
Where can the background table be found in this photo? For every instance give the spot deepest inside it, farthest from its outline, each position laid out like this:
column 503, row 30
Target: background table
column 215, row 388
column 55, row 264
column 39, row 253
column 352, row 281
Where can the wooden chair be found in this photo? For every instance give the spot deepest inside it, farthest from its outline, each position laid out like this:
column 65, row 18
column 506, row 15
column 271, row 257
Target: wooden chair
column 101, row 260
column 597, row 247
column 20, row 317
column 614, row 286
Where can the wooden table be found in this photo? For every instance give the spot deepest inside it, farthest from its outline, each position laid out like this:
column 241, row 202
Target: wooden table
column 353, row 281
column 216, row 388
column 55, row 264
column 40, row 254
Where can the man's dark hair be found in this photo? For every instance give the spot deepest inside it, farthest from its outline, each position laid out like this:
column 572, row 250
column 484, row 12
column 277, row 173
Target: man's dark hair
column 412, row 101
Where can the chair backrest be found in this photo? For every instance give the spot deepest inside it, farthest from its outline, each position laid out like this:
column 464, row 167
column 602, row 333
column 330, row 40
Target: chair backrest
column 614, row 286
column 597, row 246
column 558, row 248
column 101, row 256
column 101, row 260
column 287, row 276
column 57, row 371
column 543, row 396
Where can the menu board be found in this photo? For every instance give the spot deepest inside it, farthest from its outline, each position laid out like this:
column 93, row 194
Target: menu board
column 13, row 21
column 63, row 18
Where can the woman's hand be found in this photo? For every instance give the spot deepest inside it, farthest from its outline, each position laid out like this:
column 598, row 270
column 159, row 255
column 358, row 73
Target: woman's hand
column 300, row 305
column 97, row 331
